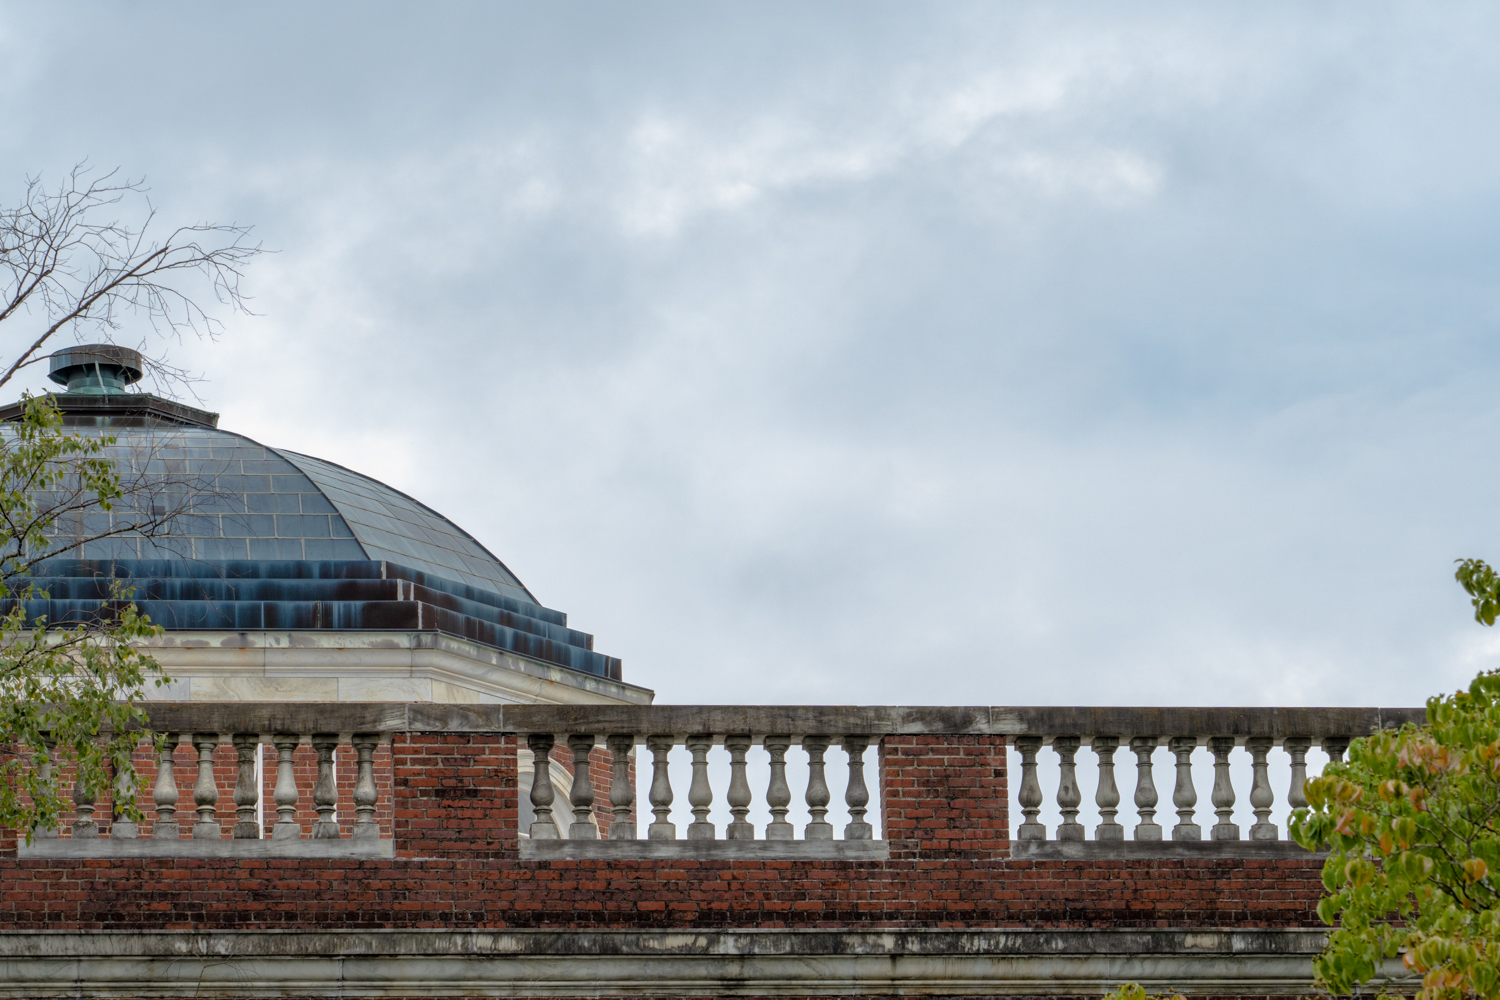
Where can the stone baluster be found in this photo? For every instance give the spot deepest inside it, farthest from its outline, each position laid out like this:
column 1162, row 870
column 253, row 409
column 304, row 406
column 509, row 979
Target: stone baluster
column 1184, row 796
column 121, row 826
column 661, row 827
column 1068, row 796
column 1261, row 796
column 246, row 788
column 1222, row 795
column 44, row 772
column 84, row 827
column 365, row 792
column 1296, row 748
column 856, row 795
column 1145, row 788
column 621, row 788
column 700, row 794
column 738, row 795
column 325, row 790
column 206, row 790
column 287, row 827
column 818, row 796
column 1334, row 747
column 164, row 795
column 778, row 792
column 1030, row 794
column 543, row 827
column 1107, row 798
column 581, row 795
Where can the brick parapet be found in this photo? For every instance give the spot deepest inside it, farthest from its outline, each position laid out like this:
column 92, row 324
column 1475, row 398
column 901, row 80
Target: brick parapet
column 454, row 821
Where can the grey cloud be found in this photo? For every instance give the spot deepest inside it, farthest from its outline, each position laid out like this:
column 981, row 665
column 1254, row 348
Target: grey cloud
column 928, row 354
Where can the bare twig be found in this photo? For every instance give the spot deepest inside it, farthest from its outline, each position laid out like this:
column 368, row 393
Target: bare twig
column 73, row 267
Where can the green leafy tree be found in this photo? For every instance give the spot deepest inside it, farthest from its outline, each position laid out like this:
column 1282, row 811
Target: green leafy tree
column 1483, row 586
column 79, row 260
column 68, row 690
column 1412, row 823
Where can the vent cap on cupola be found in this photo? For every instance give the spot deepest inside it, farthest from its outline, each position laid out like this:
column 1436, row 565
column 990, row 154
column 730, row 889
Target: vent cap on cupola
column 96, row 369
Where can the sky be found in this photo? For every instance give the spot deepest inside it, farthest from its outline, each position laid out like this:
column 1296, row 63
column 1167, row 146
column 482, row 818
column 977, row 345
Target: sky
column 862, row 353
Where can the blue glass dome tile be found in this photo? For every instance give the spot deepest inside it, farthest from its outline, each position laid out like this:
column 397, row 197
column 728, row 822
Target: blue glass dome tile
column 251, row 525
column 195, row 526
column 112, row 548
column 302, row 525
column 219, row 503
column 220, row 548
column 269, row 466
column 273, row 503
column 333, row 548
column 316, row 503
column 275, row 548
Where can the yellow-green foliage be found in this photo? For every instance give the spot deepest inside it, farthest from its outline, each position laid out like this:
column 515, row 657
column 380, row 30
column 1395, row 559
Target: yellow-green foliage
column 1134, row 991
column 69, row 686
column 1411, row 823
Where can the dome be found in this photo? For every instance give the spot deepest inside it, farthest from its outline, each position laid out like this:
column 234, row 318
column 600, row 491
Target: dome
column 218, row 531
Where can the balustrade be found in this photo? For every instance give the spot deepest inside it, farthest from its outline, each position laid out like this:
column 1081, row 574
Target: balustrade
column 597, row 744
column 1262, row 797
column 700, row 795
column 169, row 836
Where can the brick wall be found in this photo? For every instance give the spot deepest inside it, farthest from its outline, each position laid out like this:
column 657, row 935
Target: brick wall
column 945, row 793
column 454, row 822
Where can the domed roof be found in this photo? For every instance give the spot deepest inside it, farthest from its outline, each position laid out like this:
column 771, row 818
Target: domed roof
column 258, row 537
column 262, row 503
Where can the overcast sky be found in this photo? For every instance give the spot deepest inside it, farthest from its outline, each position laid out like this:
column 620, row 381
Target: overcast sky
column 1010, row 354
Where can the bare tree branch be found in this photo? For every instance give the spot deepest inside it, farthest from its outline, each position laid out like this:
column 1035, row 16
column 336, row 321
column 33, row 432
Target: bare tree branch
column 67, row 261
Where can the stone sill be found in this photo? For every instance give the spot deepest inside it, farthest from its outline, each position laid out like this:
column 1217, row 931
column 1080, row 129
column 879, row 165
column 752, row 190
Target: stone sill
column 187, row 848
column 705, row 850
column 1088, row 850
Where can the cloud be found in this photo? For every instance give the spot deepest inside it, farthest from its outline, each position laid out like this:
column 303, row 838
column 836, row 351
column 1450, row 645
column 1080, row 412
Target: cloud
column 946, row 354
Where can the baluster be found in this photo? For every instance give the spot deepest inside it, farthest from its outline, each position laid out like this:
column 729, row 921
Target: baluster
column 1222, row 795
column 246, row 792
column 1296, row 748
column 1184, row 796
column 325, row 790
column 84, row 827
column 621, row 788
column 206, row 791
column 365, row 792
column 1030, row 795
column 164, row 795
column 121, row 826
column 818, row 796
column 661, row 827
column 1261, row 796
column 778, row 792
column 738, row 795
column 856, row 795
column 1145, row 788
column 543, row 827
column 1334, row 747
column 44, row 772
column 700, row 795
column 287, row 827
column 1068, row 796
column 581, row 795
column 1107, row 798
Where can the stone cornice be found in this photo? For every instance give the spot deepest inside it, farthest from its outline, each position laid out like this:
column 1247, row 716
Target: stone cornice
column 695, row 962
